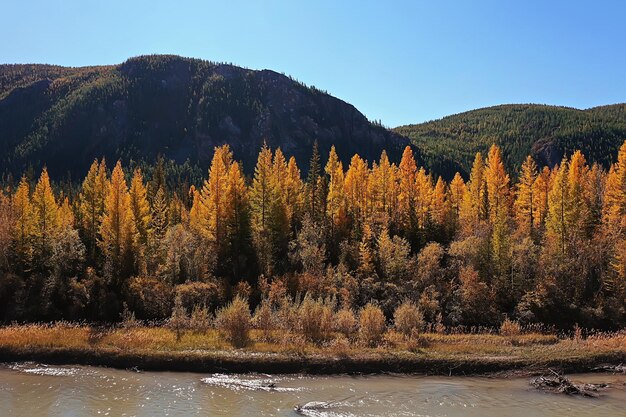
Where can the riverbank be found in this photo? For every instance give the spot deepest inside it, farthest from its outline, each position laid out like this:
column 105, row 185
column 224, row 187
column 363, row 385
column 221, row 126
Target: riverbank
column 159, row 349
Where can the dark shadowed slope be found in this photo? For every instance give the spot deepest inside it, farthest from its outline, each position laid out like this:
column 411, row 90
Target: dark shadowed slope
column 546, row 132
column 178, row 107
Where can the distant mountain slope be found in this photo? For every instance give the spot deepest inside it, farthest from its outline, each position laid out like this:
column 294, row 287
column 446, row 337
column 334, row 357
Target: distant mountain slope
column 178, row 107
column 546, row 132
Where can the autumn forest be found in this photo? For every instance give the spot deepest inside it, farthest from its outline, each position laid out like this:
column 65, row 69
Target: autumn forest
column 542, row 245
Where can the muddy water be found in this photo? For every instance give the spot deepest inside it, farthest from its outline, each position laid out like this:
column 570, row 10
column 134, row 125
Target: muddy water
column 29, row 389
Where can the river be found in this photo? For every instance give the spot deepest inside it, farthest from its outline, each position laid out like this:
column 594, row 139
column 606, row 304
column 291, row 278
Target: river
column 29, row 389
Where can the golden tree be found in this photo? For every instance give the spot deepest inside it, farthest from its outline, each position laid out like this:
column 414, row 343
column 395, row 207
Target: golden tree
column 541, row 190
column 268, row 217
column 614, row 207
column 336, row 199
column 384, row 191
column 408, row 194
column 294, row 193
column 498, row 197
column 140, row 208
column 577, row 209
column 440, row 207
column 557, row 227
column 356, row 187
column 526, row 201
column 91, row 202
column 211, row 212
column 24, row 223
column 423, row 199
column 614, row 223
column 45, row 217
column 456, row 196
column 474, row 208
column 117, row 230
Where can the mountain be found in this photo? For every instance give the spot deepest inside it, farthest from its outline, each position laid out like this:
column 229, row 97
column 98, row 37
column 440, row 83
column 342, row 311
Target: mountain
column 172, row 106
column 182, row 108
column 546, row 132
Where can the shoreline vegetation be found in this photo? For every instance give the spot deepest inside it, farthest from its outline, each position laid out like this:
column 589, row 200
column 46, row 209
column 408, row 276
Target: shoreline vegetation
column 162, row 348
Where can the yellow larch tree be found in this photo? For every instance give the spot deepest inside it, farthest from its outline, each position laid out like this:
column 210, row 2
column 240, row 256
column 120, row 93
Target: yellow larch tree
column 336, row 199
column 526, row 200
column 294, row 193
column 440, row 207
column 557, row 228
column 474, row 207
column 541, row 190
column 594, row 186
column 268, row 220
column 357, row 194
column 7, row 226
column 280, row 212
column 237, row 221
column 45, row 218
column 407, row 172
column 456, row 195
column 211, row 213
column 614, row 223
column 614, row 207
column 91, row 203
column 24, row 223
column 423, row 199
column 140, row 207
column 66, row 215
column 382, row 189
column 577, row 209
column 197, row 213
column 117, row 230
column 499, row 199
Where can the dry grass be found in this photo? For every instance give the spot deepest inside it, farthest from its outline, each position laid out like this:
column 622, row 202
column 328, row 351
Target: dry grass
column 533, row 347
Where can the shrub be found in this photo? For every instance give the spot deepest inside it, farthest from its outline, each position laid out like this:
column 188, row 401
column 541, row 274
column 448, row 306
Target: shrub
column 197, row 293
column 315, row 319
column 243, row 290
column 510, row 328
column 200, row 319
column 371, row 325
column 287, row 315
column 150, row 297
column 417, row 341
column 263, row 319
column 408, row 319
column 345, row 322
column 235, row 321
column 392, row 339
column 179, row 320
column 339, row 346
column 128, row 319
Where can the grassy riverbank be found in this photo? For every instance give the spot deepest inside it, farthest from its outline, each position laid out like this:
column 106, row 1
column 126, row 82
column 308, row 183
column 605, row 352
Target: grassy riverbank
column 158, row 348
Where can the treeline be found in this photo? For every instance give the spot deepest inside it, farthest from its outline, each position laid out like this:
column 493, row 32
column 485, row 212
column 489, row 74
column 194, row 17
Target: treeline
column 550, row 248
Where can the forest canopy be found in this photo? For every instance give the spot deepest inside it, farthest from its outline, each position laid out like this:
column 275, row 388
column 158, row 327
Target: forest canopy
column 548, row 247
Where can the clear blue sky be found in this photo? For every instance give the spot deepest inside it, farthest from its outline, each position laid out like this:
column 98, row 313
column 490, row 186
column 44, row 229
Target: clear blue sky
column 398, row 61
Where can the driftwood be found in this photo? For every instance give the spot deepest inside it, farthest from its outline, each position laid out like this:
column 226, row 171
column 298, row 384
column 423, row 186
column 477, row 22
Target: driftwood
column 616, row 369
column 558, row 383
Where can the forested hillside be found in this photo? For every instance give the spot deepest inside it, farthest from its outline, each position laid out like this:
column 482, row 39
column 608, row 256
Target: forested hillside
column 546, row 132
column 176, row 107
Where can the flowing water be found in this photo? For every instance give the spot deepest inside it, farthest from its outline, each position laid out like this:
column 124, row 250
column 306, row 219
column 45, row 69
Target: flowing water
column 29, row 389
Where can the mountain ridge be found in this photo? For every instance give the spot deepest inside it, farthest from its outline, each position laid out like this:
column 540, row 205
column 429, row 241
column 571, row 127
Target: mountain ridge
column 177, row 107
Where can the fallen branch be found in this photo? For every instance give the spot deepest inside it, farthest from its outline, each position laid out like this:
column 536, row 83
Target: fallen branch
column 558, row 383
column 616, row 369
